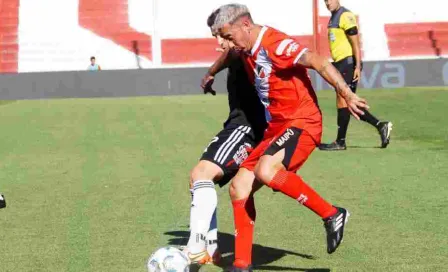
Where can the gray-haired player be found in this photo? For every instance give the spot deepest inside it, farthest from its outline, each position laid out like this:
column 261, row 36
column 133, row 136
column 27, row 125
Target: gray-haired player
column 241, row 132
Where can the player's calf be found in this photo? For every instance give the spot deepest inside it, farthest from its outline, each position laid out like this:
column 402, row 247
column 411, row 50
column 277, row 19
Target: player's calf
column 203, row 208
column 244, row 216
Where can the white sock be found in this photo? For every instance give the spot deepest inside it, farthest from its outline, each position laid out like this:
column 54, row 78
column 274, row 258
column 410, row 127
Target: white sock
column 203, row 206
column 191, row 193
column 212, row 235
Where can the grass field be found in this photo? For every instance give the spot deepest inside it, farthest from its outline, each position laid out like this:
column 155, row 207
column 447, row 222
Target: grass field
column 97, row 185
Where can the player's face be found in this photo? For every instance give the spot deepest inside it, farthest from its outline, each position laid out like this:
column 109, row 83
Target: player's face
column 224, row 44
column 238, row 35
column 92, row 61
column 332, row 5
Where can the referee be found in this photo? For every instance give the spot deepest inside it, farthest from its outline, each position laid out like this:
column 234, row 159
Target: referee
column 346, row 52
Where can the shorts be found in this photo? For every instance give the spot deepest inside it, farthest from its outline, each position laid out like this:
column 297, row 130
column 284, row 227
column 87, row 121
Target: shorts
column 298, row 145
column 347, row 68
column 229, row 148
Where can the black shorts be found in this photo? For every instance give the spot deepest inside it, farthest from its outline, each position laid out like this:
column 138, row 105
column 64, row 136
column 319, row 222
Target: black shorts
column 347, row 68
column 229, row 148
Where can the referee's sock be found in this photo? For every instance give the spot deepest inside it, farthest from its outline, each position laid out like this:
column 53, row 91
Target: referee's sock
column 203, row 207
column 369, row 118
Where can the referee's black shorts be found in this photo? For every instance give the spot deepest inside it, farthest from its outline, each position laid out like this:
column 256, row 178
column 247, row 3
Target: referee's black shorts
column 347, row 68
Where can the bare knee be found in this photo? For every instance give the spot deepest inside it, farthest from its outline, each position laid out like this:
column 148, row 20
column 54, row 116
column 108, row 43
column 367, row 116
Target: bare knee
column 267, row 168
column 241, row 185
column 233, row 191
column 205, row 170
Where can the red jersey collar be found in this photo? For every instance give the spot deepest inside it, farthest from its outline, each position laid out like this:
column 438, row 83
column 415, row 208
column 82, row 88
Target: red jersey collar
column 258, row 41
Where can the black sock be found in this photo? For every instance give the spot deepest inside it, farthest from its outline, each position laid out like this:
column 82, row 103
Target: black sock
column 369, row 118
column 343, row 120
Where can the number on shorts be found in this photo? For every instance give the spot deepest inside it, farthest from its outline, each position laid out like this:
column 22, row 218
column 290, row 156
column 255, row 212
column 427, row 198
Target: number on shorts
column 215, row 139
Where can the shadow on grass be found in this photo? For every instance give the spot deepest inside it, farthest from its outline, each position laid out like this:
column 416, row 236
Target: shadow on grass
column 262, row 256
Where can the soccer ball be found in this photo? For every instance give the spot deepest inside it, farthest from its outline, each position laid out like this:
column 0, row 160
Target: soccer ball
column 168, row 259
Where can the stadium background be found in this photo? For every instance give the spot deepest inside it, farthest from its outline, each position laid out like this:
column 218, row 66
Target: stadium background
column 54, row 35
column 148, row 44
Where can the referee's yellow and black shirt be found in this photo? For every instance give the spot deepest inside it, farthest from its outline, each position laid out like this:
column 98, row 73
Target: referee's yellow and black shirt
column 342, row 22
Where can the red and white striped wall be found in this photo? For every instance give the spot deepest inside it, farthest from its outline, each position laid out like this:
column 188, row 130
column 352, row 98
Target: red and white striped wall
column 61, row 35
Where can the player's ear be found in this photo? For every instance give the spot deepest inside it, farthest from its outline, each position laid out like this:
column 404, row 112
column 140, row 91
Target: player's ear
column 246, row 26
column 246, row 22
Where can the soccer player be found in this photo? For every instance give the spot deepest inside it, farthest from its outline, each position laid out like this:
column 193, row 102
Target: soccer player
column 277, row 65
column 242, row 131
column 343, row 36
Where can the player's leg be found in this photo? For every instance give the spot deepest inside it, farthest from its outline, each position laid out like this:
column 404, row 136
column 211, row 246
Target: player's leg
column 276, row 169
column 241, row 191
column 203, row 217
column 203, row 209
column 284, row 156
column 218, row 164
column 384, row 128
column 236, row 153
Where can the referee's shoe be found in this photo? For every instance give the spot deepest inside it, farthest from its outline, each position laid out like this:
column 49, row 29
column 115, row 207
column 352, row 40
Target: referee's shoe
column 385, row 128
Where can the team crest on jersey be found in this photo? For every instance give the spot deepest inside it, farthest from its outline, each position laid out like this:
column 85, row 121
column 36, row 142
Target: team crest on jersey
column 292, row 48
column 242, row 153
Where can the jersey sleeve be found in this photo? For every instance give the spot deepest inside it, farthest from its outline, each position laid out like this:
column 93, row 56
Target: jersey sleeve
column 285, row 51
column 347, row 21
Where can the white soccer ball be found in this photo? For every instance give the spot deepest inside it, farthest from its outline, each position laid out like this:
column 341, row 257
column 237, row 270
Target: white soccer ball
column 168, row 259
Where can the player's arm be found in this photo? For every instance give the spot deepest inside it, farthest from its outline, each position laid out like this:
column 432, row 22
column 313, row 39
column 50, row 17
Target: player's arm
column 220, row 64
column 349, row 25
column 331, row 75
column 287, row 53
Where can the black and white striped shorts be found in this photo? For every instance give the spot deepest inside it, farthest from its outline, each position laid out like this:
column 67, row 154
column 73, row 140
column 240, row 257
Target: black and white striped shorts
column 229, row 148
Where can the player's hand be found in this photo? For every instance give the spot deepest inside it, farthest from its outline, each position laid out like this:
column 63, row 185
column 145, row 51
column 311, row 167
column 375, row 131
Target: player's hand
column 206, row 84
column 356, row 105
column 357, row 74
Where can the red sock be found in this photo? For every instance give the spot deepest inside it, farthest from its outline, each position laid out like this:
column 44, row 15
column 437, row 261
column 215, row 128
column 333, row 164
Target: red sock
column 244, row 215
column 293, row 186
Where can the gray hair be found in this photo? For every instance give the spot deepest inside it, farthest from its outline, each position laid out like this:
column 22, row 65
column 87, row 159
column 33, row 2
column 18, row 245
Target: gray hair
column 228, row 14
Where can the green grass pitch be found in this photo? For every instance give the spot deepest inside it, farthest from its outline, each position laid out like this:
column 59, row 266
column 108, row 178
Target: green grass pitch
column 99, row 184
